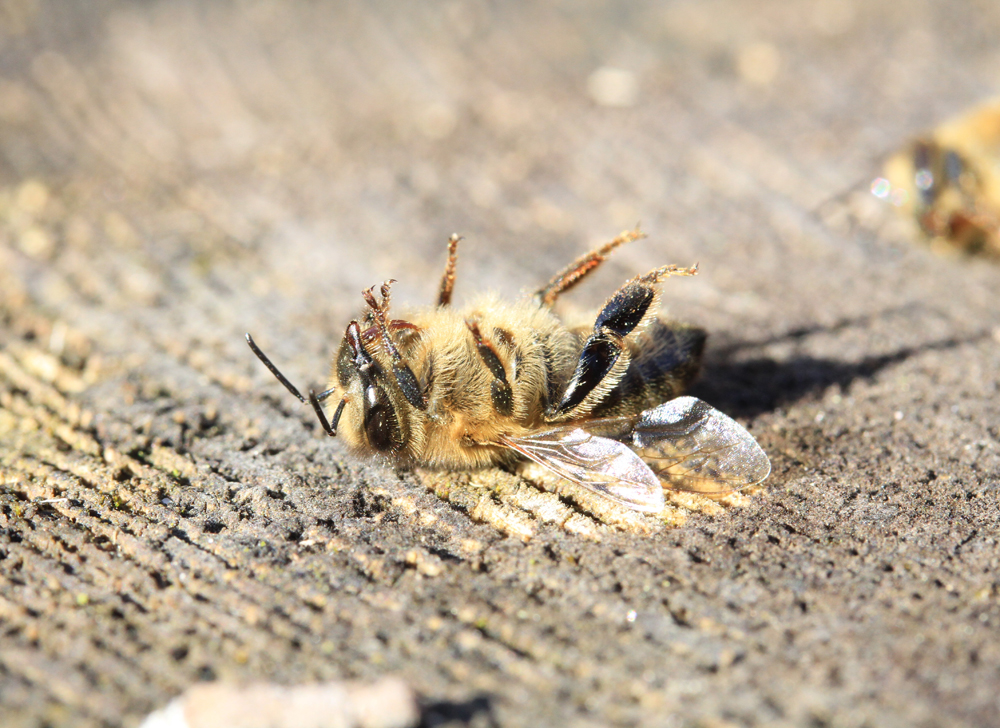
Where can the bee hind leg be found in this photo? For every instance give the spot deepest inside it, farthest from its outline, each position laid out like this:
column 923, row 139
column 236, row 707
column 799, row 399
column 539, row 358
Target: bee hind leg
column 605, row 356
column 663, row 366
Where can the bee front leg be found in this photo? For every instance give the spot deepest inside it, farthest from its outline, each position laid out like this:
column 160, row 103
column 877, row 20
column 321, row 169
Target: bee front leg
column 605, row 356
column 405, row 378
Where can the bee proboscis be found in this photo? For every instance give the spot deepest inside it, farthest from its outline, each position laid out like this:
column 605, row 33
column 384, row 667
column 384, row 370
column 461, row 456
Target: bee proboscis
column 498, row 382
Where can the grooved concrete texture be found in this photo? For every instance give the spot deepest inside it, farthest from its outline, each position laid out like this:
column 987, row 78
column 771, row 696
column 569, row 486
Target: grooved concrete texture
column 174, row 174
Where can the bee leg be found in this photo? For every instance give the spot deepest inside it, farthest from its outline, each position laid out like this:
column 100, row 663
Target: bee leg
column 605, row 356
column 404, row 375
column 448, row 279
column 579, row 268
column 372, row 333
column 330, row 428
column 500, row 392
column 662, row 368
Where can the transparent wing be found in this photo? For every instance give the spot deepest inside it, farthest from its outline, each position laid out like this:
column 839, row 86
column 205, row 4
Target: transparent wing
column 607, row 467
column 694, row 447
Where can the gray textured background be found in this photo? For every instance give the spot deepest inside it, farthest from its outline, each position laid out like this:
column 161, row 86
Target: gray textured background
column 174, row 174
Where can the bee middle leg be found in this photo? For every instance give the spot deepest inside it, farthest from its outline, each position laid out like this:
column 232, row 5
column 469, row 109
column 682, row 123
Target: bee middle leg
column 501, row 393
column 605, row 356
column 448, row 278
column 581, row 267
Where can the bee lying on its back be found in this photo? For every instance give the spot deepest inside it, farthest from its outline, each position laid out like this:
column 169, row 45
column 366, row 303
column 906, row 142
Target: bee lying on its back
column 498, row 382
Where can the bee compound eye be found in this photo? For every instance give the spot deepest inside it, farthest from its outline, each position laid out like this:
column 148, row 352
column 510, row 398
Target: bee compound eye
column 381, row 424
column 345, row 366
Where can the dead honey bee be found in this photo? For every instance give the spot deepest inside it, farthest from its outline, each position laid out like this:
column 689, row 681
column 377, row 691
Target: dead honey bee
column 949, row 181
column 498, row 382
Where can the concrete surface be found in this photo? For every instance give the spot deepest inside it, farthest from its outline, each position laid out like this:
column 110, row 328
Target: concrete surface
column 174, row 174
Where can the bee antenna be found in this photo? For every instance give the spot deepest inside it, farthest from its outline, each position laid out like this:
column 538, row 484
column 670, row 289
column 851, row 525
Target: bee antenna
column 314, row 399
column 273, row 369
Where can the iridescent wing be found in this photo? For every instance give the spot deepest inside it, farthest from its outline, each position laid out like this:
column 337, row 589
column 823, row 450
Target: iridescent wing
column 694, row 447
column 688, row 444
column 607, row 467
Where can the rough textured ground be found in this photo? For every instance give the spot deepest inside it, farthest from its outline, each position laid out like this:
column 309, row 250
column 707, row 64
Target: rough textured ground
column 174, row 174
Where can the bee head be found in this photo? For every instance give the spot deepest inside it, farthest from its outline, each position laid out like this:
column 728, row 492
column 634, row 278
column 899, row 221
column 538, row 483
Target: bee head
column 376, row 407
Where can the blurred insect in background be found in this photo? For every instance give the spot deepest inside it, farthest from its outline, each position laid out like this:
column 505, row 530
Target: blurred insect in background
column 498, row 382
column 949, row 182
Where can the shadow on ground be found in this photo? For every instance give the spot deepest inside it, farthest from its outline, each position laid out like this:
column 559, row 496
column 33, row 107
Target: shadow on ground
column 751, row 387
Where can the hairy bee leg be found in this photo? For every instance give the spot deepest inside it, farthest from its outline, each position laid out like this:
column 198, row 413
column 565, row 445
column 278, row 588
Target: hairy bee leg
column 662, row 368
column 401, row 370
column 448, row 279
column 605, row 356
column 579, row 268
column 603, row 361
column 500, row 391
